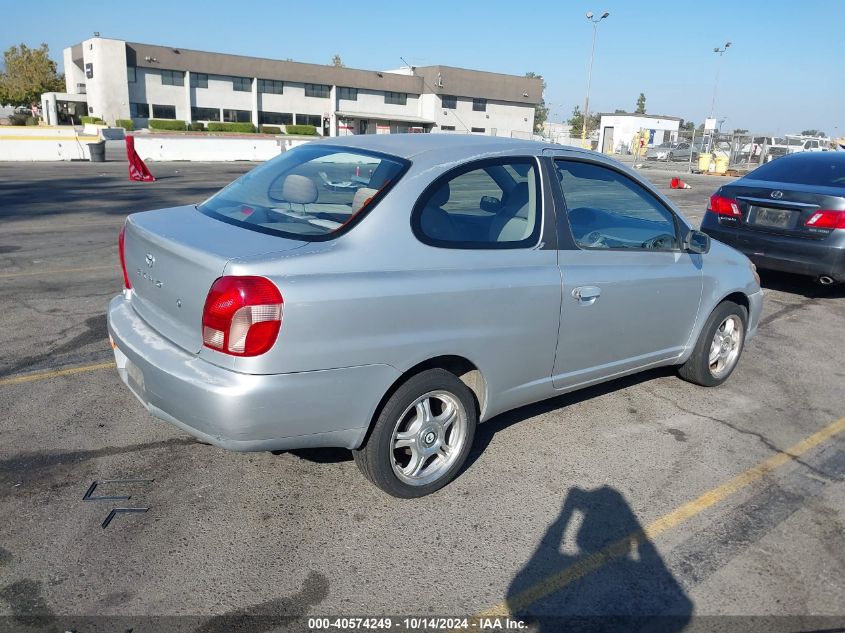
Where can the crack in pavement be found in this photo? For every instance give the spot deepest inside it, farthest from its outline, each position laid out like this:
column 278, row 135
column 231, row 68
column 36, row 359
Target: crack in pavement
column 758, row 436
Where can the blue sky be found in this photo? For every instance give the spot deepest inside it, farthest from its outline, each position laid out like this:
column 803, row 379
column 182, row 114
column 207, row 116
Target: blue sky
column 784, row 72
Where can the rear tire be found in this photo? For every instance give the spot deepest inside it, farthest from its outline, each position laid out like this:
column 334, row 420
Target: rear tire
column 719, row 346
column 422, row 436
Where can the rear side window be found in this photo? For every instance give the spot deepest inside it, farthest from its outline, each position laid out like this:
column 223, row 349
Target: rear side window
column 824, row 169
column 486, row 204
column 309, row 193
column 608, row 210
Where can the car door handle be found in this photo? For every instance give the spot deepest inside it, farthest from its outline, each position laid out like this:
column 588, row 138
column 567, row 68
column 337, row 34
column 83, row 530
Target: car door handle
column 586, row 295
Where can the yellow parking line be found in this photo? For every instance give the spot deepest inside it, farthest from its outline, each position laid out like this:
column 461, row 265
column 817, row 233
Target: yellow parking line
column 54, row 271
column 16, row 380
column 623, row 546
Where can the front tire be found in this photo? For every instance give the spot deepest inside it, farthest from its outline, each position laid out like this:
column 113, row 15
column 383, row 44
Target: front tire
column 422, row 435
column 719, row 346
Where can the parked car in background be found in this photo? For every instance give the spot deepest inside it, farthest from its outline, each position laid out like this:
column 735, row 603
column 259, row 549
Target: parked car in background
column 807, row 145
column 786, row 215
column 659, row 152
column 472, row 275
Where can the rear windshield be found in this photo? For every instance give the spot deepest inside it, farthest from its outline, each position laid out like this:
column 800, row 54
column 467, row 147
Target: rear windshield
column 819, row 169
column 312, row 192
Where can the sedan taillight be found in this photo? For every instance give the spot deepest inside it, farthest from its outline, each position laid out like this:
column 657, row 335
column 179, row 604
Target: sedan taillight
column 121, row 238
column 242, row 316
column 724, row 206
column 825, row 219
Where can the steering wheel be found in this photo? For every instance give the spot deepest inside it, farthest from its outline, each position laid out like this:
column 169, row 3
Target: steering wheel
column 593, row 239
column 660, row 242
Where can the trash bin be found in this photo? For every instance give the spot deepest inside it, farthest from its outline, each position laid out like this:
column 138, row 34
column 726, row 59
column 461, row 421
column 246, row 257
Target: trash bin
column 704, row 160
column 721, row 163
column 97, row 152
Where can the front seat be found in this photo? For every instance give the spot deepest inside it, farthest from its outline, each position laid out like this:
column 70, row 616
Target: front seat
column 511, row 223
column 434, row 221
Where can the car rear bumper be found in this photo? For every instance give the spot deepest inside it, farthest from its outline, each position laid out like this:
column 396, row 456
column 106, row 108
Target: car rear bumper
column 814, row 258
column 244, row 412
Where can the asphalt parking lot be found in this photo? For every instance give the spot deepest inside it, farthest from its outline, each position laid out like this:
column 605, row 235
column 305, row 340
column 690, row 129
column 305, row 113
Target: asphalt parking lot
column 645, row 496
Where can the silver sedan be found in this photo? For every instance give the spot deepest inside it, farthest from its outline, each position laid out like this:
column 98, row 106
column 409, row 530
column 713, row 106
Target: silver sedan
column 461, row 277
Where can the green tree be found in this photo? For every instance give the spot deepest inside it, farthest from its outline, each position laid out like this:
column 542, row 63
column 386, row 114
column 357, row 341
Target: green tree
column 28, row 73
column 541, row 111
column 640, row 104
column 740, row 130
column 337, row 62
column 576, row 122
column 813, row 132
column 689, row 126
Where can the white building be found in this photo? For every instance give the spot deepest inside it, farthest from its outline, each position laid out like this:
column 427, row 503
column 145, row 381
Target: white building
column 125, row 80
column 616, row 131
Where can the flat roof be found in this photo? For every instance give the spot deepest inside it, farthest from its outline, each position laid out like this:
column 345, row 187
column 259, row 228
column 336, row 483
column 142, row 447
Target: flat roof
column 642, row 116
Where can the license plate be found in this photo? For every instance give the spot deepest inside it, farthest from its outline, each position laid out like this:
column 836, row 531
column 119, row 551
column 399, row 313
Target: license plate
column 776, row 218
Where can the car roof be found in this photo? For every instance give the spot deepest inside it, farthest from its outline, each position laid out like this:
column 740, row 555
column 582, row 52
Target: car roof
column 410, row 145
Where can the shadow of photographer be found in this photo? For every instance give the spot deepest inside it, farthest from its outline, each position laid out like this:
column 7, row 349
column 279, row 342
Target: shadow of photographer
column 595, row 570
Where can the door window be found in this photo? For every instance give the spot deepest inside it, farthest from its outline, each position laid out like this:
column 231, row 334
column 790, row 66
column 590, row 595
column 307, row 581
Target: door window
column 487, row 204
column 608, row 210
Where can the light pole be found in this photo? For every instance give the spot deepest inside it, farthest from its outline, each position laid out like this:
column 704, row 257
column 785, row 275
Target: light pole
column 586, row 114
column 720, row 52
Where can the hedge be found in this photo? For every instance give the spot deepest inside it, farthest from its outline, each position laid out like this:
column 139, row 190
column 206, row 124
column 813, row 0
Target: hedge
column 231, row 127
column 304, row 130
column 270, row 129
column 196, row 126
column 92, row 119
column 166, row 124
column 32, row 120
column 126, row 124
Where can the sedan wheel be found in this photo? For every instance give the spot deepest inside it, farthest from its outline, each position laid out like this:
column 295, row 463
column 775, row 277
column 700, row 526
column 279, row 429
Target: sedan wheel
column 724, row 350
column 719, row 346
column 422, row 436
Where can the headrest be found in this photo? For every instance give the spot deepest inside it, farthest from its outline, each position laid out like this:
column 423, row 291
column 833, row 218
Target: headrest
column 362, row 197
column 441, row 196
column 299, row 189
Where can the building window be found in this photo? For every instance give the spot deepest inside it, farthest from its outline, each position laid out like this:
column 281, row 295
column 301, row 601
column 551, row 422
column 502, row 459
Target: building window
column 164, row 111
column 479, row 105
column 199, row 80
column 237, row 116
column 241, row 84
column 131, row 75
column 172, row 78
column 270, row 86
column 450, row 102
column 447, row 128
column 477, row 130
column 275, row 118
column 309, row 119
column 396, row 98
column 205, row 114
column 349, row 94
column 139, row 110
column 317, row 90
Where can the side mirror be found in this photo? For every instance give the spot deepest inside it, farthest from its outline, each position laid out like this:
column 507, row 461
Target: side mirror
column 697, row 242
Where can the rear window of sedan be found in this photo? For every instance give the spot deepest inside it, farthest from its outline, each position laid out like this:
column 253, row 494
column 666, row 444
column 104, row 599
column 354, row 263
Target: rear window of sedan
column 310, row 193
column 823, row 170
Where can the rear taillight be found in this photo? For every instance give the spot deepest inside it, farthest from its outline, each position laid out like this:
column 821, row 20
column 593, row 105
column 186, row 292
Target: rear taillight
column 120, row 249
column 242, row 316
column 724, row 206
column 825, row 219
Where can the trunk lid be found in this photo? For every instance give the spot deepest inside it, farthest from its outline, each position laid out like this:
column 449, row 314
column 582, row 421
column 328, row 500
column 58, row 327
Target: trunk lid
column 781, row 208
column 172, row 258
